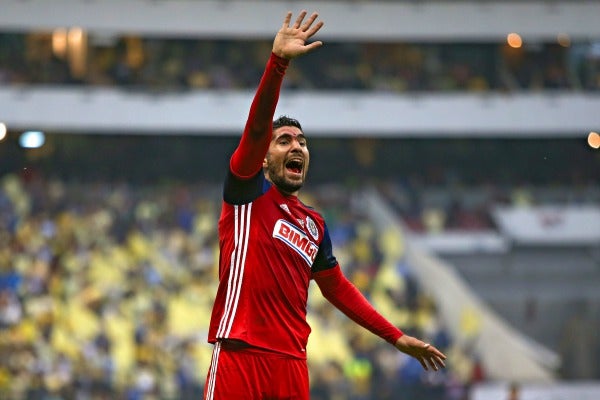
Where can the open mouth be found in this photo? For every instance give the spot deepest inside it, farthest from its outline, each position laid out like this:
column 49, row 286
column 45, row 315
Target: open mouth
column 295, row 166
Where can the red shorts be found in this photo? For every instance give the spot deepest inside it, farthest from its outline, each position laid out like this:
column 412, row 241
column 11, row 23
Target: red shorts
column 238, row 371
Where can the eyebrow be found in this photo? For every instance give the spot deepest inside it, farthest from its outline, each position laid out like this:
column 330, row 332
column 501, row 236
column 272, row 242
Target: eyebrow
column 288, row 135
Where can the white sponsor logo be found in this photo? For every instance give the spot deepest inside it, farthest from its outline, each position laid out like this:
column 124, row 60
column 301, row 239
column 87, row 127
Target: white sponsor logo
column 296, row 239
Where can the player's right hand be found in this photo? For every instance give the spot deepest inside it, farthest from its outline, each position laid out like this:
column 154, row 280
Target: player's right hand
column 291, row 41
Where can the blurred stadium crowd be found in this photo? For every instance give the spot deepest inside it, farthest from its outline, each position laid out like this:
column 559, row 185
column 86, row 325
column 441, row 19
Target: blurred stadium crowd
column 106, row 286
column 180, row 64
column 106, row 291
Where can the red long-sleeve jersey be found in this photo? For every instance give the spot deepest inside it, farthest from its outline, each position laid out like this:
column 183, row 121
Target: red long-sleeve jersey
column 271, row 246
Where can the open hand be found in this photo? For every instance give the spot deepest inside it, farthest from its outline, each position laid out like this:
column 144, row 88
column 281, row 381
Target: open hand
column 425, row 353
column 290, row 41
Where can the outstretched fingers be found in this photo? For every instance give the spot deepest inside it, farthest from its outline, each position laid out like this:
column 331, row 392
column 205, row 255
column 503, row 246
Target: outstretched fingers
column 287, row 19
column 433, row 358
column 299, row 20
column 308, row 25
column 428, row 356
column 436, row 363
column 314, row 29
column 292, row 39
column 431, row 362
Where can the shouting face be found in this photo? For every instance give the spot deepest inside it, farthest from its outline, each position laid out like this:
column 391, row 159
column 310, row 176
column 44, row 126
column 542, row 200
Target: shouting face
column 287, row 159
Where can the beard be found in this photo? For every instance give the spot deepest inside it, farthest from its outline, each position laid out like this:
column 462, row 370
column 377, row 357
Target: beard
column 281, row 182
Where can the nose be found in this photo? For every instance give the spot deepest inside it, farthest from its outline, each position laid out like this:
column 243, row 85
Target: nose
column 296, row 144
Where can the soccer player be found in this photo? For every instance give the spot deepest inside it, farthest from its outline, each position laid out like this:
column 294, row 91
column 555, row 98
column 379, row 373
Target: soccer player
column 271, row 246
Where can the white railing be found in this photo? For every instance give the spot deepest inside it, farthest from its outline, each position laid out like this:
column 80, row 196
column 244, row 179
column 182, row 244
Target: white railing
column 333, row 114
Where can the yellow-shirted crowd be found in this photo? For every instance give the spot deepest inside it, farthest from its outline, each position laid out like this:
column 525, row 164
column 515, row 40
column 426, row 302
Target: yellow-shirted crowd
column 106, row 291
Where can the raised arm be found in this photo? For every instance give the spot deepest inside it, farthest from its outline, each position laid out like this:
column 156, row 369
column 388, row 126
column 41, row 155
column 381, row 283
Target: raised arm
column 290, row 42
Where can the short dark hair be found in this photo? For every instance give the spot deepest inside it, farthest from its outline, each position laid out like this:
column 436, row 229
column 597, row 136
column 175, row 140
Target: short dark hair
column 284, row 120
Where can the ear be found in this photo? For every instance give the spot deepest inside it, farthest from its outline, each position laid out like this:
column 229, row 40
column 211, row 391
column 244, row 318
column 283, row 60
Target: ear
column 265, row 169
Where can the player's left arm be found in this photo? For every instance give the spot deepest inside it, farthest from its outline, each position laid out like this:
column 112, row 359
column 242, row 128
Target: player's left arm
column 336, row 288
column 340, row 292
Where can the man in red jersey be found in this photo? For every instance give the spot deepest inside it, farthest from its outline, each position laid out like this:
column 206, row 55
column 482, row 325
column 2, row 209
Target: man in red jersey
column 271, row 246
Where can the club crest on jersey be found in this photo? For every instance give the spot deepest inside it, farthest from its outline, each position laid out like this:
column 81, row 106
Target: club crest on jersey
column 296, row 240
column 312, row 228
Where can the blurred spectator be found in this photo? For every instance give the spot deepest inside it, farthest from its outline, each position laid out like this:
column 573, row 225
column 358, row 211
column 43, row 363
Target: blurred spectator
column 90, row 311
column 179, row 64
column 514, row 392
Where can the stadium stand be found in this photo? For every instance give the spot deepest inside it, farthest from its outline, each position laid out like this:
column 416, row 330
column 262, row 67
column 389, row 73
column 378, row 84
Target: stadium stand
column 107, row 241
